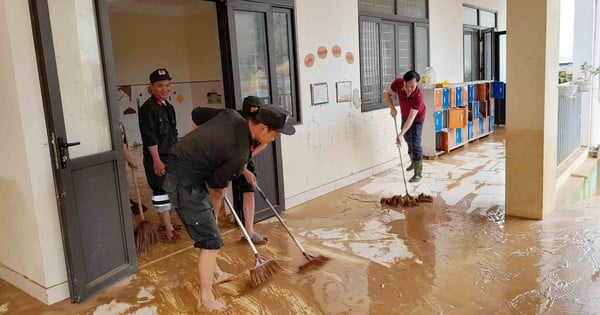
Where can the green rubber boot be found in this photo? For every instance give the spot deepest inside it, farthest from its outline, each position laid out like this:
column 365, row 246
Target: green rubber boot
column 418, row 166
column 411, row 166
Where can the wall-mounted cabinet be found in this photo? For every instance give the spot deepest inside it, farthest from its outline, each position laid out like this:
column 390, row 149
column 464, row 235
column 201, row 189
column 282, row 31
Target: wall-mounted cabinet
column 458, row 114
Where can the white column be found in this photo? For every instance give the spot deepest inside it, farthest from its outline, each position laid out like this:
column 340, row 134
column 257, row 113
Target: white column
column 531, row 114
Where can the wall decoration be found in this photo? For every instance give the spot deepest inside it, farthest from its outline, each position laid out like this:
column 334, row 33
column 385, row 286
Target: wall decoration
column 129, row 111
column 343, row 91
column 214, row 98
column 356, row 100
column 309, row 60
column 126, row 90
column 349, row 58
column 336, row 51
column 322, row 52
column 319, row 93
column 179, row 99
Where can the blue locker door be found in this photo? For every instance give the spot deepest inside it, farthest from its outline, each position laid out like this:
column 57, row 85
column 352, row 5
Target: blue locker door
column 439, row 121
column 446, row 98
column 470, row 131
column 470, row 93
column 458, row 135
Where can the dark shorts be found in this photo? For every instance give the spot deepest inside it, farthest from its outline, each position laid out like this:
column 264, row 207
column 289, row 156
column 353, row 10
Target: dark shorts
column 193, row 206
column 241, row 184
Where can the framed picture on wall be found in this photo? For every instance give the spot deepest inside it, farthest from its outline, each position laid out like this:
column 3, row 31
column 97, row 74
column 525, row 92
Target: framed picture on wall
column 319, row 93
column 343, row 91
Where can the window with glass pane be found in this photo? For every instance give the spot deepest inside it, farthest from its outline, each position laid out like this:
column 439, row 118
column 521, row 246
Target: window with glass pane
column 80, row 76
column 421, row 48
column 251, row 39
column 281, row 42
column 388, row 54
column 487, row 55
column 487, row 18
column 390, row 46
column 405, row 44
column 377, row 6
column 369, row 52
column 469, row 16
column 412, row 8
column 467, row 41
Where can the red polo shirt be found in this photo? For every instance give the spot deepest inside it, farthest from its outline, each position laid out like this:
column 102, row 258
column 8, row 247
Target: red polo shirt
column 415, row 100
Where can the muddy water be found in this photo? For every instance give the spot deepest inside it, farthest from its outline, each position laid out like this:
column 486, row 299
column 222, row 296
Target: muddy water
column 457, row 255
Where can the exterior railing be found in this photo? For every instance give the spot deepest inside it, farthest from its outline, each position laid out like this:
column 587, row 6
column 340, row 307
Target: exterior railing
column 569, row 126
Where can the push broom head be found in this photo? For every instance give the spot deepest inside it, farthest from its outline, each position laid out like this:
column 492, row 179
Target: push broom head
column 145, row 235
column 263, row 270
column 313, row 262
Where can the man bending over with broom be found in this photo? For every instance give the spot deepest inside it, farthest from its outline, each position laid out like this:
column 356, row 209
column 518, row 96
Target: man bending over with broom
column 213, row 155
column 412, row 109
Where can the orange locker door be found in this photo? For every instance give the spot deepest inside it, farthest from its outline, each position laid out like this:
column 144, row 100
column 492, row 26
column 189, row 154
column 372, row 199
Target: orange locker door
column 444, row 142
column 481, row 91
column 457, row 118
column 452, row 97
column 438, row 99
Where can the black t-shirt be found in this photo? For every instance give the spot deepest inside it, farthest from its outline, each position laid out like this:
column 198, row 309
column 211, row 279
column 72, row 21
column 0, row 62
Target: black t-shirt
column 158, row 125
column 214, row 153
column 200, row 115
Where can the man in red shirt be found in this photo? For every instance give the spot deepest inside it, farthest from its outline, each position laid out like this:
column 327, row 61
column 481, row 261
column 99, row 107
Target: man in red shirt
column 412, row 109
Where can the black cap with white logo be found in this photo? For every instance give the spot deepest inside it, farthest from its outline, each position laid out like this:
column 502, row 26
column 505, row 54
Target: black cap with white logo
column 276, row 118
column 159, row 75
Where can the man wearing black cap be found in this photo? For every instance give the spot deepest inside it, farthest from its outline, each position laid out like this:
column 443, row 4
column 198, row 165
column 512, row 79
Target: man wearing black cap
column 243, row 185
column 204, row 159
column 158, row 128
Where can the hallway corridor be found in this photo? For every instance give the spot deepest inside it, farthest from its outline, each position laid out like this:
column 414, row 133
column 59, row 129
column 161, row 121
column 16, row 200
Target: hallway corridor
column 457, row 255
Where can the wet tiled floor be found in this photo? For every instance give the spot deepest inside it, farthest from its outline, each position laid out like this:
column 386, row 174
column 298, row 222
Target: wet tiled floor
column 457, row 255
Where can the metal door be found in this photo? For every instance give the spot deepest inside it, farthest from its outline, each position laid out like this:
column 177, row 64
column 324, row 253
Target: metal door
column 261, row 62
column 73, row 46
column 489, row 53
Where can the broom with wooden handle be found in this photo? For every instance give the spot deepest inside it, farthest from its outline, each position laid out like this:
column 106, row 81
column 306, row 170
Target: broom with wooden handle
column 311, row 262
column 400, row 154
column 264, row 268
column 145, row 233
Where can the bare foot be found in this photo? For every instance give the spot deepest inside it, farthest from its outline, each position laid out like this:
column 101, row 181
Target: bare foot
column 222, row 276
column 212, row 305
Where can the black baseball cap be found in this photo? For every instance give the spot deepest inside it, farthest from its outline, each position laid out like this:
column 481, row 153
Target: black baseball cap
column 251, row 105
column 159, row 75
column 276, row 118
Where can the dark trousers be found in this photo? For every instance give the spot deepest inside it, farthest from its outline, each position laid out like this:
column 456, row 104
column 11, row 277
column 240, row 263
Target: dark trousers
column 413, row 139
column 155, row 182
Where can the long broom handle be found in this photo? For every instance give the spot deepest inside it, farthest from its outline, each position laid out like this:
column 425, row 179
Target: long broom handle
column 400, row 154
column 239, row 222
column 135, row 185
column 262, row 194
column 137, row 193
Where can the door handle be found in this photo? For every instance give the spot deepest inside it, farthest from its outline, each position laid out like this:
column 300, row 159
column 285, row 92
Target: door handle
column 63, row 145
column 67, row 144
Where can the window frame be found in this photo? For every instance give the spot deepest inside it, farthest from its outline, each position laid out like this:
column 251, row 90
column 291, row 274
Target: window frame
column 479, row 30
column 268, row 8
column 478, row 26
column 396, row 20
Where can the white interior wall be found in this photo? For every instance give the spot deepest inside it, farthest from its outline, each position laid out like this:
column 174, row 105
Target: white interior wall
column 336, row 144
column 336, row 140
column 32, row 258
column 180, row 36
column 446, row 34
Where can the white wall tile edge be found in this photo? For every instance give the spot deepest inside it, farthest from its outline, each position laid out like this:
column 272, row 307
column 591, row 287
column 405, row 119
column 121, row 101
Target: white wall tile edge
column 342, row 182
column 47, row 296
